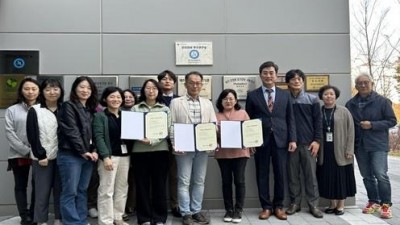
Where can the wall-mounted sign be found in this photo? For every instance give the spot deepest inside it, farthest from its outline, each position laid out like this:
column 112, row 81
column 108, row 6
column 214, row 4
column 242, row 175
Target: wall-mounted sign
column 8, row 88
column 104, row 81
column 193, row 53
column 315, row 82
column 136, row 82
column 205, row 90
column 19, row 62
column 41, row 78
column 241, row 84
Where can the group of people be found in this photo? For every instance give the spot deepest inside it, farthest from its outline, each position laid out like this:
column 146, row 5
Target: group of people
column 300, row 135
column 62, row 142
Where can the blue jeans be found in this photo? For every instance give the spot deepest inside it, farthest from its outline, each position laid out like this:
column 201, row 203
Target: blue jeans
column 373, row 168
column 75, row 173
column 192, row 168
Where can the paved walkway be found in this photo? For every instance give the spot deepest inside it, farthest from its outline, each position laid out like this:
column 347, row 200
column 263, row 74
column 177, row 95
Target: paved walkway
column 352, row 215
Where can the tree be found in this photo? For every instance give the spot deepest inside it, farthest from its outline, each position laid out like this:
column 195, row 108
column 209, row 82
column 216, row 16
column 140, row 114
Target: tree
column 375, row 44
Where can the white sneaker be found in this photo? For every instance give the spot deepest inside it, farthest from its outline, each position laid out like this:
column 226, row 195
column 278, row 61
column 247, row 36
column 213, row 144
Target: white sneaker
column 58, row 222
column 42, row 223
column 93, row 213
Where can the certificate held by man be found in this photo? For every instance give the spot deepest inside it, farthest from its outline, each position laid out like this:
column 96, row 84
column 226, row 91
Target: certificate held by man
column 241, row 134
column 140, row 125
column 192, row 137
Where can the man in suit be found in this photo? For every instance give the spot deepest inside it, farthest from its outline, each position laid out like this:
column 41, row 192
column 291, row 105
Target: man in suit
column 192, row 166
column 167, row 80
column 273, row 107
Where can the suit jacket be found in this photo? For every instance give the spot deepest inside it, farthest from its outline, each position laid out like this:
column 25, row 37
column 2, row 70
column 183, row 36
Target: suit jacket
column 280, row 122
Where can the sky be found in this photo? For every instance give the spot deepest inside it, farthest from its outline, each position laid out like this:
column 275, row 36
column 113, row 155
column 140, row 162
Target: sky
column 391, row 29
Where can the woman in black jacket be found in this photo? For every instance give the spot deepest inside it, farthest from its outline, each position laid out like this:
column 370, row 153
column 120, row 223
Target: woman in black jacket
column 76, row 155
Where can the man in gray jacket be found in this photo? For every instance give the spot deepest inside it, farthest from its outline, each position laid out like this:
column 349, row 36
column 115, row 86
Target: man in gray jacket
column 373, row 116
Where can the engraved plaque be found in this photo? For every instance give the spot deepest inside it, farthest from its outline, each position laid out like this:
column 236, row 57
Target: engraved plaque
column 241, row 84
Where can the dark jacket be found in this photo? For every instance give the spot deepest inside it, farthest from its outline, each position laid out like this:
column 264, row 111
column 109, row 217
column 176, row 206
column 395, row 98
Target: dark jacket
column 307, row 113
column 379, row 111
column 74, row 129
column 280, row 122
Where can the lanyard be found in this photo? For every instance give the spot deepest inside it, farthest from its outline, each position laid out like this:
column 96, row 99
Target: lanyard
column 328, row 122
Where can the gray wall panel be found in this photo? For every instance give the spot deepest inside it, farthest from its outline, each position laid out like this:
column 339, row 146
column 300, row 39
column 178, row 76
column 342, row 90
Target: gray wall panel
column 154, row 16
column 59, row 54
column 50, row 16
column 287, row 16
column 4, row 147
column 6, row 184
column 311, row 53
column 153, row 53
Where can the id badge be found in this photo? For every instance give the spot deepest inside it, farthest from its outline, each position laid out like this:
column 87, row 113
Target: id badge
column 124, row 150
column 329, row 136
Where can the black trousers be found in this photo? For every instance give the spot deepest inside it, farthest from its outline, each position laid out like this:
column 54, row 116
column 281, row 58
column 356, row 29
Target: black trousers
column 233, row 170
column 262, row 157
column 21, row 178
column 150, row 173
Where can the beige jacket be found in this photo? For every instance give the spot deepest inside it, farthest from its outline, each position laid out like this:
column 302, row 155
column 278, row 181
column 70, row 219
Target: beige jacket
column 180, row 112
column 343, row 137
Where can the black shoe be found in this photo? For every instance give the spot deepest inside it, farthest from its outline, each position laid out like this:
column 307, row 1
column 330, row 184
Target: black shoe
column 125, row 217
column 293, row 208
column 330, row 210
column 187, row 220
column 200, row 218
column 339, row 212
column 26, row 221
column 228, row 216
column 176, row 212
column 237, row 216
column 316, row 212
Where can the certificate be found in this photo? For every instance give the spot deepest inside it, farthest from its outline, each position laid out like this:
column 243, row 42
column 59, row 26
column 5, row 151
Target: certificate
column 156, row 125
column 206, row 136
column 241, row 134
column 252, row 133
column 192, row 137
column 140, row 125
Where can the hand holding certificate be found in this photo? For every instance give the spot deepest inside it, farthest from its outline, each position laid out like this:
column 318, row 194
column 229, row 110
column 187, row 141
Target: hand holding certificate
column 192, row 137
column 241, row 134
column 139, row 125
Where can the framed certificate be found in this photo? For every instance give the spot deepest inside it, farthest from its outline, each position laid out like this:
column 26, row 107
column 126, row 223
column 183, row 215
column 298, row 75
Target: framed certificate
column 192, row 137
column 241, row 134
column 140, row 125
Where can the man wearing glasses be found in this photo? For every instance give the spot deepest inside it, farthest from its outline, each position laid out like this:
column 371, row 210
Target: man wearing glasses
column 192, row 166
column 373, row 116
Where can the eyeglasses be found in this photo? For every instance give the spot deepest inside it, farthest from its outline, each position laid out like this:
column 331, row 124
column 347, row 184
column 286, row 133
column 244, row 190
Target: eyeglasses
column 195, row 83
column 151, row 89
column 363, row 83
column 228, row 99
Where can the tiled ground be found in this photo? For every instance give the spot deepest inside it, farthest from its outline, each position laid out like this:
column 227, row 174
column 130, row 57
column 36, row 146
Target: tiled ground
column 352, row 215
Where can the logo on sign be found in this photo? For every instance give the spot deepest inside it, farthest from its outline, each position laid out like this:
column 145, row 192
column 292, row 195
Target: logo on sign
column 19, row 63
column 194, row 54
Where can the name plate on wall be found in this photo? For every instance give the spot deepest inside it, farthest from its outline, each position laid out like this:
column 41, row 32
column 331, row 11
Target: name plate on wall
column 241, row 84
column 136, row 82
column 315, row 82
column 193, row 53
column 102, row 82
column 205, row 89
column 8, row 88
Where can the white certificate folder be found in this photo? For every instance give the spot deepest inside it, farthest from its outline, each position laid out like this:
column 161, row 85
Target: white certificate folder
column 192, row 137
column 241, row 134
column 140, row 125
